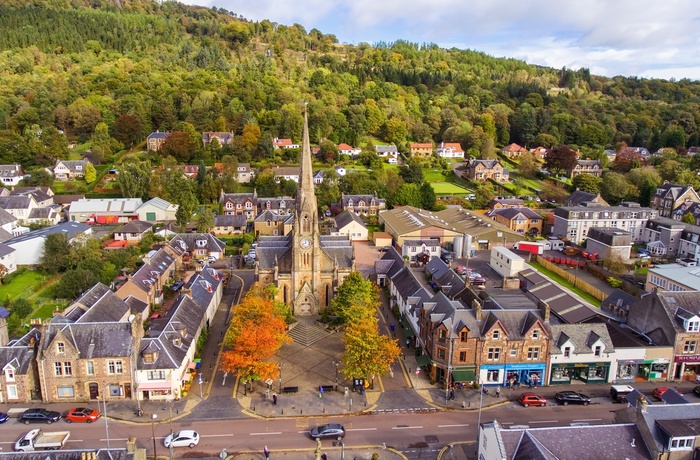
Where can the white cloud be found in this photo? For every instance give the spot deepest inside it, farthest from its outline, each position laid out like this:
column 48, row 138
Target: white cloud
column 626, row 37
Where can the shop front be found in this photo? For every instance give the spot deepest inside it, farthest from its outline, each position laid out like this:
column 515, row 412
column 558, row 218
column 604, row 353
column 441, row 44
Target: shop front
column 525, row 374
column 492, row 374
column 687, row 367
column 654, row 369
column 627, row 370
column 584, row 372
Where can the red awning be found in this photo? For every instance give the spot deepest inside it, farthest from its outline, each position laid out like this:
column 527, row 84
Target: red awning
column 146, row 386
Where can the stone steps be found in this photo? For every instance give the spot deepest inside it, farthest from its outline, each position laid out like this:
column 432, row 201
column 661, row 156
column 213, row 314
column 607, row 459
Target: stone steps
column 307, row 334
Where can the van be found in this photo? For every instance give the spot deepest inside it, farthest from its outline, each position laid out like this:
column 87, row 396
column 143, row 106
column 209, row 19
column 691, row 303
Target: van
column 445, row 255
column 619, row 393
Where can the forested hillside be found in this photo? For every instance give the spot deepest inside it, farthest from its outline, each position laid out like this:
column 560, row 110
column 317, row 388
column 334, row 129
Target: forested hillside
column 122, row 69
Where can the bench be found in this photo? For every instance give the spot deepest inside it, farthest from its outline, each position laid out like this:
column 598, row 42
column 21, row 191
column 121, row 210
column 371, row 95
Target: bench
column 290, row 389
column 327, row 387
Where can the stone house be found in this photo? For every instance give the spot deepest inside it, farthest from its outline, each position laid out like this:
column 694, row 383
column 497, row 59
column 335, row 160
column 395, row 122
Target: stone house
column 580, row 353
column 592, row 167
column 149, row 280
column 521, row 220
column 229, row 225
column 155, row 141
column 366, row 205
column 482, row 170
column 421, row 149
column 272, row 223
column 513, row 150
column 223, row 138
column 236, row 204
column 132, row 232
column 19, row 381
column 668, row 197
column 69, row 169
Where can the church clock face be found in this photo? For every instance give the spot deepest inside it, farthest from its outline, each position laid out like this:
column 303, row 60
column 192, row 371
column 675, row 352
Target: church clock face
column 305, row 243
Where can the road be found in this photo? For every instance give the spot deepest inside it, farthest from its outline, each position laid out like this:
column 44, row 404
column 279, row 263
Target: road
column 415, row 434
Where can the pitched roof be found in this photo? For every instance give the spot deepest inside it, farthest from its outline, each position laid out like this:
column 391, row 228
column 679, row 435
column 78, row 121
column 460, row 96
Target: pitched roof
column 6, row 217
column 70, row 229
column 191, row 241
column 582, row 336
column 135, row 226
column 513, row 213
column 159, row 203
column 94, row 340
column 230, row 221
column 346, row 217
column 19, row 354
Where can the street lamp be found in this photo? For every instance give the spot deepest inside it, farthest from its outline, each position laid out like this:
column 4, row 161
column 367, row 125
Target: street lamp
column 153, row 432
column 279, row 366
column 478, row 419
column 336, row 374
column 104, row 403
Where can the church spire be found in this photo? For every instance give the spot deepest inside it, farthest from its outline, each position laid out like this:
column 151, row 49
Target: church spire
column 305, row 194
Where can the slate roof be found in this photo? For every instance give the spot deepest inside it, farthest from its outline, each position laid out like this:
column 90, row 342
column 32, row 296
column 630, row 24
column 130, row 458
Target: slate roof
column 15, row 201
column 36, row 192
column 5, row 235
column 42, row 213
column 203, row 286
column 589, row 163
column 73, row 164
column 346, row 217
column 579, row 197
column 436, row 267
column 6, row 217
column 237, row 198
column 186, row 319
column 213, row 244
column 94, row 340
column 11, row 171
column 450, row 283
column 161, row 260
column 582, row 336
column 512, row 213
column 618, row 298
column 18, row 353
column 406, row 283
column 157, row 135
column 231, row 221
column 98, row 305
column 669, row 190
column 338, row 248
column 369, row 200
column 450, row 313
column 561, row 304
column 516, row 323
column 664, row 413
column 274, row 216
column 588, row 442
column 390, row 263
column 429, row 242
column 135, row 226
column 5, row 250
column 490, row 164
column 277, row 203
column 65, row 200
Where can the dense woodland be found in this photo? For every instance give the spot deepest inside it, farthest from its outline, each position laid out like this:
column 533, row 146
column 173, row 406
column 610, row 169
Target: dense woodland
column 109, row 72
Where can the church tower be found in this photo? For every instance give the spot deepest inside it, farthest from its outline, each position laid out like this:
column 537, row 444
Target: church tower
column 306, row 245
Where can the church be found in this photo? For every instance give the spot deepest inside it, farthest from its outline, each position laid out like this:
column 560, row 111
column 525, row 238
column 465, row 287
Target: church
column 306, row 267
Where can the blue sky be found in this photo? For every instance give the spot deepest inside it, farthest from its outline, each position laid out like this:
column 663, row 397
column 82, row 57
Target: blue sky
column 645, row 38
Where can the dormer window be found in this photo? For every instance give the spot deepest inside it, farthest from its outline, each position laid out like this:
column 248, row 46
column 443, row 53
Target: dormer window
column 681, row 443
column 567, row 352
column 597, row 350
column 9, row 374
column 496, row 335
column 201, row 243
column 536, row 334
column 692, row 326
column 60, row 347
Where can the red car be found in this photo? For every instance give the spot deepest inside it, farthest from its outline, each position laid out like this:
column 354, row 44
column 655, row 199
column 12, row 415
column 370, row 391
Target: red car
column 531, row 399
column 82, row 415
column 659, row 392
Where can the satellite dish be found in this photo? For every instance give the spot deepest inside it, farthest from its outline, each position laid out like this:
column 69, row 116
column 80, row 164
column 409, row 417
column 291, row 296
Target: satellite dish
column 131, row 317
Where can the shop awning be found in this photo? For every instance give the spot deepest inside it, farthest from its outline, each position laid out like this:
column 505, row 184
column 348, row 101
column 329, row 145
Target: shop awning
column 191, row 365
column 463, row 375
column 148, row 386
column 407, row 330
column 423, row 360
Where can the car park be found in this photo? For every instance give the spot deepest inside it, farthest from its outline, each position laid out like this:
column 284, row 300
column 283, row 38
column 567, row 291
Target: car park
column 182, row 438
column 330, row 430
column 619, row 393
column 571, row 397
column 82, row 415
column 531, row 399
column 39, row 415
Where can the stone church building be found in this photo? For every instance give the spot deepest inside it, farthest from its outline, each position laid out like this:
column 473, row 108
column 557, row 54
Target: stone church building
column 306, row 267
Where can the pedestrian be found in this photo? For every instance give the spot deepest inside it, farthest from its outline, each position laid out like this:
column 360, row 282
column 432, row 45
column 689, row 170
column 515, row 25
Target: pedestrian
column 408, row 343
column 266, row 451
column 274, row 399
column 320, row 391
column 498, row 392
column 452, row 394
column 324, row 457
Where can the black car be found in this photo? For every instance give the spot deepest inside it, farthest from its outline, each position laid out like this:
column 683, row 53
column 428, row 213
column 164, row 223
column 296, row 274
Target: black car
column 571, row 397
column 384, row 249
column 331, row 430
column 696, row 391
column 3, row 417
column 39, row 416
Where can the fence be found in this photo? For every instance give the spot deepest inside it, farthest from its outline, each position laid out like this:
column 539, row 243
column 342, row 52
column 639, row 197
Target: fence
column 570, row 276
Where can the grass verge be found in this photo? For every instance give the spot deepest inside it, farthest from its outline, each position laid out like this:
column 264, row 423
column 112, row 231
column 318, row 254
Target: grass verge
column 561, row 281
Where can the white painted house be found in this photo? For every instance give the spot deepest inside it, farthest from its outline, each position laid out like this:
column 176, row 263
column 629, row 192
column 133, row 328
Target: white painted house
column 29, row 247
column 580, row 353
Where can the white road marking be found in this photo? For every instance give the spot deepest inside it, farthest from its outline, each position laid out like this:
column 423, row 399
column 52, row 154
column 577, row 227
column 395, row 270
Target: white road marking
column 452, row 426
column 545, row 421
column 267, row 432
column 361, row 429
column 215, row 435
column 407, row 427
column 588, row 420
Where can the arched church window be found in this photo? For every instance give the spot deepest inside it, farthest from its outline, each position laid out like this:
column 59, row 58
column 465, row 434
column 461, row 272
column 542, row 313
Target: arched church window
column 306, row 224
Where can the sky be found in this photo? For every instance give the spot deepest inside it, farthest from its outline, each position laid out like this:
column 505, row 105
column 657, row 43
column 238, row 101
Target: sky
column 644, row 38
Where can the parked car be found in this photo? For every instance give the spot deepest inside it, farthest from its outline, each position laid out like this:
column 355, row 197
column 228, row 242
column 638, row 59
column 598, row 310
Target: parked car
column 642, row 251
column 461, row 270
column 571, row 397
column 212, row 259
column 531, row 399
column 183, row 438
column 3, row 417
column 82, row 415
column 445, row 255
column 696, row 391
column 330, row 430
column 39, row 415
column 659, row 392
column 384, row 249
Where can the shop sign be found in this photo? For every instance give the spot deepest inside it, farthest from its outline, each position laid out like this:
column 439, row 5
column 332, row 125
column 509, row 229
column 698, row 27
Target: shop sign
column 580, row 365
column 688, row 358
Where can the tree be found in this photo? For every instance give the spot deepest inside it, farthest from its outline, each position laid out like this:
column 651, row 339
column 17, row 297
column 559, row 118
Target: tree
column 561, row 159
column 40, row 177
column 56, row 257
column 484, row 195
column 527, row 166
column 408, row 195
column 134, row 178
column 90, row 173
column 488, row 149
column 427, row 196
column 180, row 146
column 187, row 205
column 256, row 332
column 587, row 183
column 646, row 179
column 368, row 354
column 356, row 298
column 205, row 221
column 128, row 129
column 688, row 218
column 412, row 172
column 553, row 190
column 615, row 188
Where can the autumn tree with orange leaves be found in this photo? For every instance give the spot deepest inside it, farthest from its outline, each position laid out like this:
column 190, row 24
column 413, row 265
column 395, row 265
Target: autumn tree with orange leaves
column 256, row 332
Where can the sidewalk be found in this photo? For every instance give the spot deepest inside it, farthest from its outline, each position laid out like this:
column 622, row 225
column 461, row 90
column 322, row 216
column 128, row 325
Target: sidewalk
column 332, row 453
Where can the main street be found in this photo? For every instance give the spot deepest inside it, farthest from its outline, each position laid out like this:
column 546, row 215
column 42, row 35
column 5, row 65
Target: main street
column 417, row 435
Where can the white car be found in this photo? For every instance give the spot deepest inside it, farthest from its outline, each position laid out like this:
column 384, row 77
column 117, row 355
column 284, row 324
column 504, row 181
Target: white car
column 183, row 438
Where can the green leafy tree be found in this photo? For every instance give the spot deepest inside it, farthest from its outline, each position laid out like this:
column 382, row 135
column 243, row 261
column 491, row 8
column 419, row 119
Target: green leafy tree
column 368, row 354
column 356, row 298
column 128, row 129
column 408, row 195
column 484, row 195
column 412, row 172
column 90, row 173
column 615, row 188
column 527, row 166
column 134, row 178
column 205, row 221
column 56, row 257
column 187, row 206
column 688, row 218
column 427, row 196
column 40, row 178
column 587, row 182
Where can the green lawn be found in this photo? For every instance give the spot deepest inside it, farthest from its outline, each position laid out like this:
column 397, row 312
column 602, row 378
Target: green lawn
column 448, row 188
column 22, row 285
column 561, row 281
